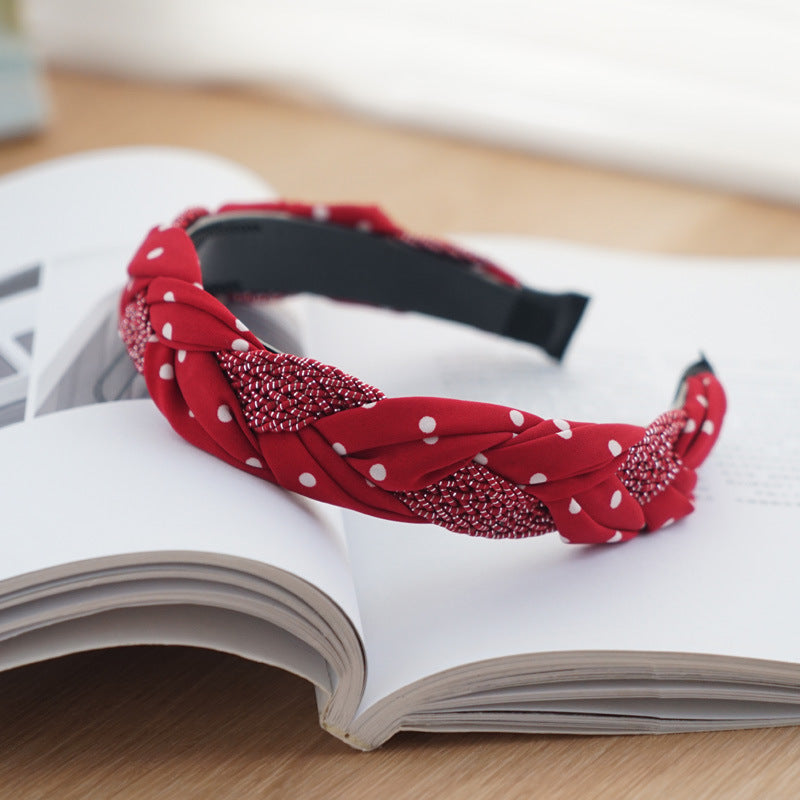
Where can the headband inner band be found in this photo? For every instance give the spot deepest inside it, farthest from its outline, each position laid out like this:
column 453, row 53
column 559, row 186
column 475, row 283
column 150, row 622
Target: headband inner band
column 265, row 253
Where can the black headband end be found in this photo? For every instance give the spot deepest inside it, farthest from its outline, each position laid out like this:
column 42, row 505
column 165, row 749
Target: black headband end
column 546, row 320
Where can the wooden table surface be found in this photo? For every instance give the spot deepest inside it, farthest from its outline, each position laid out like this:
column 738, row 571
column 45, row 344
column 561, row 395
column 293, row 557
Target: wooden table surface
column 174, row 722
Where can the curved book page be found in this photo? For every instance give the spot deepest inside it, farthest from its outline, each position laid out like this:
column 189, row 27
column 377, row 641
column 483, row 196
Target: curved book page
column 106, row 511
column 447, row 616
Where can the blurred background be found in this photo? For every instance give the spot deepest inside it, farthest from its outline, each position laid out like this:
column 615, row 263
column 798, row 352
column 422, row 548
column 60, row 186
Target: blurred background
column 648, row 124
column 702, row 90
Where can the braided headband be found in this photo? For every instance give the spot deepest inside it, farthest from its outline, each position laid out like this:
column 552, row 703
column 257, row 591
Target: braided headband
column 474, row 468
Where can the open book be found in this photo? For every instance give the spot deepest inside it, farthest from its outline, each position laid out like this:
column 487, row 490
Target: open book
column 117, row 532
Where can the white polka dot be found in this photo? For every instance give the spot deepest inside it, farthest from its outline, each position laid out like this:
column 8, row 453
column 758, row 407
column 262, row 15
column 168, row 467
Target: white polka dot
column 516, row 417
column 707, row 427
column 191, row 413
column 370, row 484
column 564, row 431
column 364, row 225
column 166, row 372
column 369, row 405
column 152, row 338
column 197, row 284
column 166, row 331
column 155, row 253
column 614, row 447
column 690, row 426
column 129, row 284
column 169, row 297
column 241, row 326
column 702, row 399
column 181, row 356
column 320, row 213
column 224, row 413
column 616, row 499
column 377, row 472
column 307, row 479
column 574, row 506
column 670, row 521
column 431, row 439
column 706, row 381
column 538, row 477
column 241, row 345
column 339, row 449
column 615, row 538
column 480, row 459
column 427, row 424
column 254, row 462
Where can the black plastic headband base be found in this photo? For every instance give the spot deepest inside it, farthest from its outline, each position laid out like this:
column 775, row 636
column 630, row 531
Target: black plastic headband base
column 271, row 253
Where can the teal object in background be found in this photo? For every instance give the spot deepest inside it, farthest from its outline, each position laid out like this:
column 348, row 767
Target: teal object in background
column 23, row 108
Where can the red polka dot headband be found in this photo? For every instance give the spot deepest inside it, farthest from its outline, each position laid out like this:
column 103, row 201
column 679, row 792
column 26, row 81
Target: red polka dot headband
column 474, row 468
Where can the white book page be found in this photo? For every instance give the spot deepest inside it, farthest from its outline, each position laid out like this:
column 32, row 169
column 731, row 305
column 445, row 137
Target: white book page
column 111, row 198
column 723, row 581
column 113, row 479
